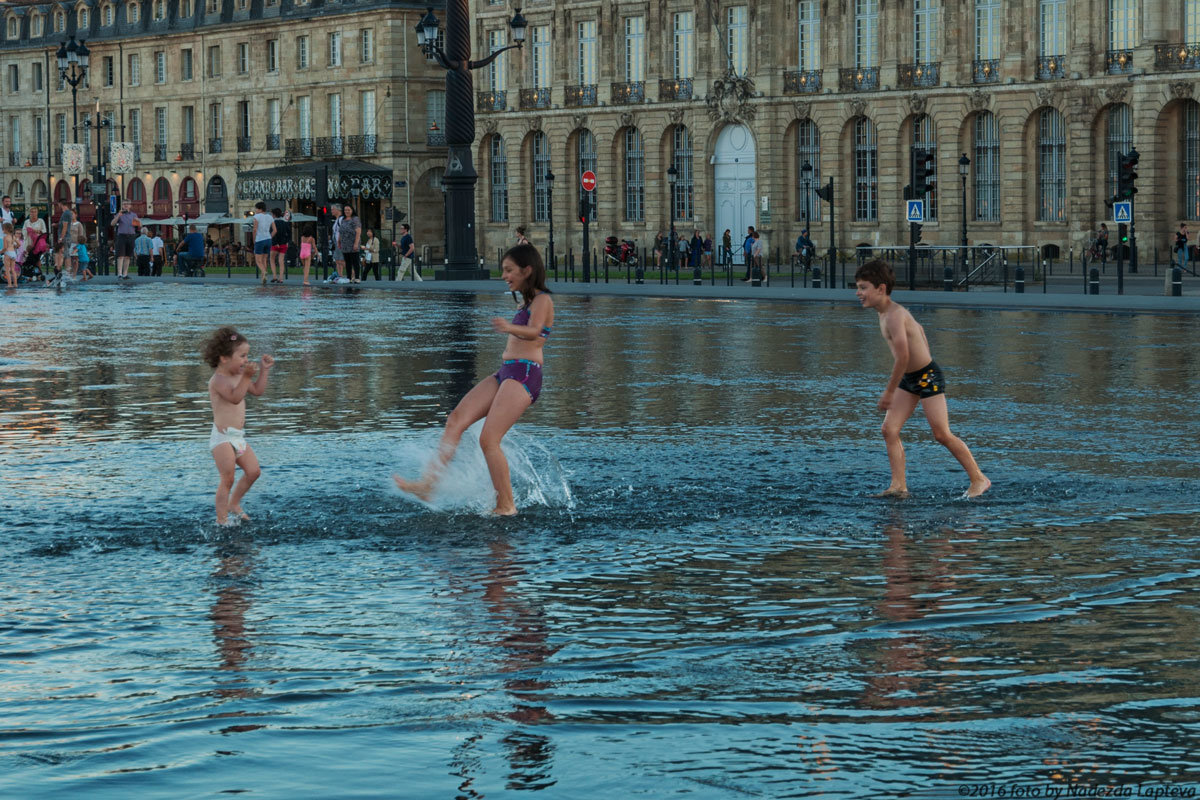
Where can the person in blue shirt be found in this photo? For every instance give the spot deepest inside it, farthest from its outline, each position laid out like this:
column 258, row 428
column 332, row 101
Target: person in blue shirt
column 747, row 247
column 143, row 246
column 191, row 252
column 805, row 249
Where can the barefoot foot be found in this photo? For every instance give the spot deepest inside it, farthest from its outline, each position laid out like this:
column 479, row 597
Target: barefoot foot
column 242, row 515
column 509, row 511
column 899, row 493
column 977, row 488
column 422, row 488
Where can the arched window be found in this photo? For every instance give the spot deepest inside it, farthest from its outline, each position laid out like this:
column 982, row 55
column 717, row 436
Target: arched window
column 1052, row 166
column 866, row 171
column 1189, row 118
column 189, row 197
column 635, row 176
column 924, row 138
column 82, row 19
column 683, row 198
column 162, row 198
column 541, row 165
column 14, row 27
column 37, row 25
column 160, row 10
column 136, row 193
column 808, row 151
column 131, row 13
column 106, row 15
column 498, row 167
column 1118, row 141
column 60, row 21
column 586, row 157
column 987, row 168
column 17, row 190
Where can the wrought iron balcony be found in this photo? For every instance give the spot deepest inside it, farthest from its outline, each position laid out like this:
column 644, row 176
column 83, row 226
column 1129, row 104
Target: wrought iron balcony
column 582, row 95
column 362, row 145
column 535, row 98
column 918, row 76
column 796, row 81
column 435, row 138
column 1177, row 56
column 160, row 152
column 298, row 148
column 14, row 159
column 492, row 101
column 986, row 70
column 330, row 146
column 1119, row 62
column 629, row 92
column 37, row 159
column 1051, row 68
column 272, row 141
column 187, row 151
column 244, row 144
column 674, row 89
column 861, row 79
column 216, row 145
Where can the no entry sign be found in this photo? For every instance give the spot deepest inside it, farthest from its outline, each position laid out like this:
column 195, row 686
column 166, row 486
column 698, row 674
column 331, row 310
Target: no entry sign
column 588, row 181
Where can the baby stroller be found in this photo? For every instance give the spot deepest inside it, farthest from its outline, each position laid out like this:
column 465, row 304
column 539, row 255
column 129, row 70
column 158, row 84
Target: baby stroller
column 620, row 252
column 31, row 265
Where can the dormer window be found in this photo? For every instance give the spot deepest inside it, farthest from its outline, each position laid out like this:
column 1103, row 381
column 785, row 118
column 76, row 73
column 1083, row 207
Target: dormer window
column 132, row 12
column 106, row 16
column 82, row 19
column 160, row 10
column 14, row 27
column 37, row 24
column 60, row 21
column 185, row 8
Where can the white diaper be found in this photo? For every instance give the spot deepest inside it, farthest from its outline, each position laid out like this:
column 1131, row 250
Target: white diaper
column 232, row 436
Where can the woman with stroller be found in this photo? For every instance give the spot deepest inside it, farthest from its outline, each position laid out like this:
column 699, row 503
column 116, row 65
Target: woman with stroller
column 36, row 243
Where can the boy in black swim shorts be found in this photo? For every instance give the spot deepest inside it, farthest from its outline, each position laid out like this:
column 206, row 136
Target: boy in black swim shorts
column 916, row 375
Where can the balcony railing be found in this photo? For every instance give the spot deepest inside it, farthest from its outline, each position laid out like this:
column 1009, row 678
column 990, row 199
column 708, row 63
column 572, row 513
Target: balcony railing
column 918, row 76
column 492, row 101
column 583, row 95
column 298, row 148
column 1119, row 62
column 861, row 79
column 1051, row 68
column 272, row 141
column 216, row 145
column 160, row 152
column 362, row 145
column 535, row 98
column 187, row 151
column 244, row 144
column 1177, row 56
column 38, row 159
column 986, row 70
column 14, row 159
column 674, row 89
column 330, row 146
column 797, row 81
column 629, row 92
column 435, row 138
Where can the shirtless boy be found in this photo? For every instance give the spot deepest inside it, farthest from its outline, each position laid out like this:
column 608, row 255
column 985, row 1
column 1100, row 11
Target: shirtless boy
column 916, row 375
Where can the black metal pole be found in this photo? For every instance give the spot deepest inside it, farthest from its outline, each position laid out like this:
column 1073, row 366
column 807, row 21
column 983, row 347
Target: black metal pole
column 832, row 235
column 550, row 204
column 963, row 255
column 1133, row 253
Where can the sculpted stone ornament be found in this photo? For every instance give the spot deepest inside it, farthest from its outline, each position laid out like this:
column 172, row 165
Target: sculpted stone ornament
column 490, row 127
column 1046, row 96
column 534, row 123
column 626, row 119
column 858, row 108
column 917, row 103
column 1116, row 94
column 979, row 100
column 729, row 99
column 803, row 109
column 579, row 120
column 676, row 116
column 1181, row 90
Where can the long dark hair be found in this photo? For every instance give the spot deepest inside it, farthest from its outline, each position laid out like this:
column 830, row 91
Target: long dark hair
column 526, row 255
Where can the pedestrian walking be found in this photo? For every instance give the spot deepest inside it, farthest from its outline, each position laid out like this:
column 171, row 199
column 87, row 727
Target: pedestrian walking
column 6, row 212
column 408, row 251
column 128, row 225
column 1181, row 245
column 697, row 244
column 308, row 246
column 747, row 255
column 370, row 253
column 281, row 238
column 262, row 240
column 339, row 263
column 143, row 249
column 158, row 253
column 757, row 247
column 349, row 241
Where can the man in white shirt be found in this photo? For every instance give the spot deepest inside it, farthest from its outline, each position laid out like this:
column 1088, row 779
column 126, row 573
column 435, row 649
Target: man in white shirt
column 262, row 239
column 6, row 212
column 156, row 255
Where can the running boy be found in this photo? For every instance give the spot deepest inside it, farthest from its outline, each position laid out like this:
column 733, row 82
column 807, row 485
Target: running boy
column 916, row 375
column 227, row 353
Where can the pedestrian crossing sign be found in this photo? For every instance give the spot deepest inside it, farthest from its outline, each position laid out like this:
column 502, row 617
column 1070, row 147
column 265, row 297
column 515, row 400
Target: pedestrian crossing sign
column 1122, row 211
column 916, row 210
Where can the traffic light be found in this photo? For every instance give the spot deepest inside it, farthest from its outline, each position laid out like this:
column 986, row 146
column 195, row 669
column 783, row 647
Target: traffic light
column 924, row 172
column 908, row 192
column 916, row 231
column 585, row 210
column 1123, row 233
column 322, row 214
column 826, row 192
column 1127, row 175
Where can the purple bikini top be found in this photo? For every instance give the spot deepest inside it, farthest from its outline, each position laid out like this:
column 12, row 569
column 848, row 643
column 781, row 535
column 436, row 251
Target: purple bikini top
column 522, row 318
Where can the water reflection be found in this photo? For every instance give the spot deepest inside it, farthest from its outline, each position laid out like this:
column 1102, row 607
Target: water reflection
column 231, row 633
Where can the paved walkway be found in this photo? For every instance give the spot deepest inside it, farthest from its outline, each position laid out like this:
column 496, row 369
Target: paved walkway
column 1144, row 294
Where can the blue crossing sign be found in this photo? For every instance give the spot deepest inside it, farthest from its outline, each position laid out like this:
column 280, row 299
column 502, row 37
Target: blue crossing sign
column 915, row 211
column 1123, row 211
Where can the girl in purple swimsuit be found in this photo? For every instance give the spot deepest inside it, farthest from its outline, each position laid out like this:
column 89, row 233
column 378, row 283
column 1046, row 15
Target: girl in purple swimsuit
column 500, row 399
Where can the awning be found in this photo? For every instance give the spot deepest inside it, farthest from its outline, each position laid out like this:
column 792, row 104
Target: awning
column 299, row 181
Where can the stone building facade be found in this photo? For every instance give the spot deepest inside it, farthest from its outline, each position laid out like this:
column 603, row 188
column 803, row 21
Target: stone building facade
column 208, row 89
column 1041, row 95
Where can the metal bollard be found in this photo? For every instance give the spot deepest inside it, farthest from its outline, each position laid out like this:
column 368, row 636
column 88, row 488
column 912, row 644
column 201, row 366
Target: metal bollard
column 1094, row 281
column 1176, row 282
column 948, row 279
column 1019, row 280
column 816, row 277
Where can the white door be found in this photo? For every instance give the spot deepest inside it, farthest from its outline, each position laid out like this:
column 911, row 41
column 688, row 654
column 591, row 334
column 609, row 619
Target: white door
column 733, row 177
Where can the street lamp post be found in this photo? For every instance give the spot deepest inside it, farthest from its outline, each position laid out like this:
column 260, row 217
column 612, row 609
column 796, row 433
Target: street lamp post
column 460, row 176
column 672, row 177
column 550, row 211
column 72, row 67
column 964, row 164
column 806, row 171
column 100, row 191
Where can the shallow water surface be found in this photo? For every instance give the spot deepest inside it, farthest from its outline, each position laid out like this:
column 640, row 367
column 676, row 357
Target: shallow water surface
column 699, row 598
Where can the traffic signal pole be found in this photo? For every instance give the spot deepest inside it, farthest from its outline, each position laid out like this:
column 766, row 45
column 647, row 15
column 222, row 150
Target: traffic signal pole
column 912, row 255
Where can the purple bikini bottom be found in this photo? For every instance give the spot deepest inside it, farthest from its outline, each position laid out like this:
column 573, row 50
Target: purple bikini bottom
column 526, row 373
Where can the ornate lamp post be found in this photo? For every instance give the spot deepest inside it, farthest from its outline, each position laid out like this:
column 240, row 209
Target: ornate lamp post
column 550, row 209
column 72, row 67
column 460, row 177
column 672, row 177
column 964, row 164
column 100, row 190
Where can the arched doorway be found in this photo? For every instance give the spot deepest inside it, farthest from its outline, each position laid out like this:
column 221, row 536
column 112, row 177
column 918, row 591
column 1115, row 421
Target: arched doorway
column 734, row 183
column 62, row 192
column 136, row 195
column 162, row 199
column 83, row 201
column 189, row 198
column 216, row 198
